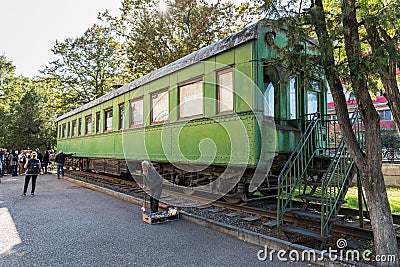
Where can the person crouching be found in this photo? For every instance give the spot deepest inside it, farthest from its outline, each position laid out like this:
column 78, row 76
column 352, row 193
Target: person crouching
column 33, row 167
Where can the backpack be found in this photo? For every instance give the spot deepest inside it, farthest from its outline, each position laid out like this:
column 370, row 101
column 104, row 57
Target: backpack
column 34, row 166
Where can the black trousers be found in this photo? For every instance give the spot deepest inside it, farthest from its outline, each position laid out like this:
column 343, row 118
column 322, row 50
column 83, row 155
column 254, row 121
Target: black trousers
column 153, row 204
column 45, row 164
column 155, row 193
column 27, row 178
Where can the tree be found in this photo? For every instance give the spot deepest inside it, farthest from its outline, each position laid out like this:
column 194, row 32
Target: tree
column 336, row 25
column 154, row 38
column 88, row 66
column 381, row 22
column 27, row 116
column 29, row 124
column 7, row 72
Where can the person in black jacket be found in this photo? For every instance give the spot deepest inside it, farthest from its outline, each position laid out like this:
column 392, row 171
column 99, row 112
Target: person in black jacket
column 60, row 161
column 33, row 167
column 46, row 160
column 13, row 163
column 154, row 180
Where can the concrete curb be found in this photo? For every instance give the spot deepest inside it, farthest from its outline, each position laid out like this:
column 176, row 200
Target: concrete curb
column 264, row 241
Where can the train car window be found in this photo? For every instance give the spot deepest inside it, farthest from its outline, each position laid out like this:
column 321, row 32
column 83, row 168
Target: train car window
column 312, row 102
column 59, row 131
column 73, row 129
column 108, row 119
column 293, row 98
column 98, row 122
column 225, row 90
column 159, row 106
column 121, row 120
column 136, row 112
column 69, row 129
column 64, row 130
column 88, row 124
column 191, row 99
column 79, row 126
column 269, row 96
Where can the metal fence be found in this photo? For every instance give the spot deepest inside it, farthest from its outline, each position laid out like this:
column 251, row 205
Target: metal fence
column 391, row 155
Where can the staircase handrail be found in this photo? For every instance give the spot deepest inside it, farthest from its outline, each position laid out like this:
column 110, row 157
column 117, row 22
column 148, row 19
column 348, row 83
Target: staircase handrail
column 291, row 162
column 341, row 165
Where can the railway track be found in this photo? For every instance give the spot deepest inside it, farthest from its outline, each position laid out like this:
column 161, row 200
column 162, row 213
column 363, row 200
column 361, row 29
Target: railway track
column 178, row 199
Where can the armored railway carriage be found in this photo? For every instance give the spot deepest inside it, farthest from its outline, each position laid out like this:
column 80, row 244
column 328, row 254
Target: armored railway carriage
column 227, row 110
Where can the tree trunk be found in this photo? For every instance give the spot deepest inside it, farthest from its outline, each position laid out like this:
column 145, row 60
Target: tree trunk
column 371, row 165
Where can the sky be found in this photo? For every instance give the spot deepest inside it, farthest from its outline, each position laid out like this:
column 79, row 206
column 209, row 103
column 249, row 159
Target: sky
column 30, row 28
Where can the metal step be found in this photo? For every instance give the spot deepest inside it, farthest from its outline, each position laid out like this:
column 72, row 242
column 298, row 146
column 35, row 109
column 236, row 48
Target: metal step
column 302, row 232
column 318, row 198
column 302, row 213
column 325, row 158
column 316, row 171
column 316, row 183
column 307, row 214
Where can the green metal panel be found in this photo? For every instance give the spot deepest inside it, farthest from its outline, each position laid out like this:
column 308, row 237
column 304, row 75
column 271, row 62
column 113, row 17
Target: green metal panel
column 243, row 77
column 173, row 97
column 153, row 143
column 146, row 105
column 158, row 84
column 134, row 145
column 210, row 91
column 226, row 58
column 195, row 140
column 191, row 72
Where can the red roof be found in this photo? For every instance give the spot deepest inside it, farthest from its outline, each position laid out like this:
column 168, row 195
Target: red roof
column 352, row 103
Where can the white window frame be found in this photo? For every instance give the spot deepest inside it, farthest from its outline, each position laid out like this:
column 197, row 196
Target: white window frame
column 159, row 106
column 225, row 92
column 136, row 121
column 293, row 97
column 88, row 125
column 191, row 105
column 108, row 120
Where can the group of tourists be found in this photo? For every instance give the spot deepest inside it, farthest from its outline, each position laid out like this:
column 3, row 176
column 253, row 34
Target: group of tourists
column 31, row 164
column 13, row 162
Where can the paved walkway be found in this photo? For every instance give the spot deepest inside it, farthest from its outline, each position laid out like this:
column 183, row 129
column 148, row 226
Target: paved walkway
column 68, row 225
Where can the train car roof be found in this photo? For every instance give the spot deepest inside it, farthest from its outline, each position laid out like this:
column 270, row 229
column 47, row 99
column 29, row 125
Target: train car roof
column 249, row 33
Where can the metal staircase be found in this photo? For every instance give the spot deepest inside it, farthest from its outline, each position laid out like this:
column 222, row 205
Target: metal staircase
column 319, row 170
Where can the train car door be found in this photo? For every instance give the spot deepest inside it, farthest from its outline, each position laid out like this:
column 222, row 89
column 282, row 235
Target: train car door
column 271, row 93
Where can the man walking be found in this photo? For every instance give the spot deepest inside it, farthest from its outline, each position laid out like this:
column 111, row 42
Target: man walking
column 60, row 161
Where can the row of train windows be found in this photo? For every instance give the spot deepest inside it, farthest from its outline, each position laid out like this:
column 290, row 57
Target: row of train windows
column 312, row 99
column 190, row 105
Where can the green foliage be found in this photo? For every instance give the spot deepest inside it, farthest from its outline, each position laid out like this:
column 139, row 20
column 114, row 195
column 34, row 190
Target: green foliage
column 391, row 139
column 392, row 192
column 87, row 67
column 153, row 38
column 27, row 119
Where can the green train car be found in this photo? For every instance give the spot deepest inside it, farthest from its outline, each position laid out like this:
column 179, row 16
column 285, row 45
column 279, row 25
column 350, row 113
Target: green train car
column 225, row 111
